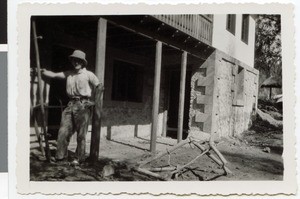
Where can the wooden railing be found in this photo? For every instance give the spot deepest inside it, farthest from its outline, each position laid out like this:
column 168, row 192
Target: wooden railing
column 197, row 26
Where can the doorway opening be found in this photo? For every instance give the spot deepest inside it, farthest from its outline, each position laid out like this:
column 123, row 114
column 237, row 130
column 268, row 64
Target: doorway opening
column 173, row 104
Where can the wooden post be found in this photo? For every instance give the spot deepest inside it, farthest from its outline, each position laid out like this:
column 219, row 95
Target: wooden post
column 38, row 65
column 99, row 72
column 155, row 106
column 181, row 96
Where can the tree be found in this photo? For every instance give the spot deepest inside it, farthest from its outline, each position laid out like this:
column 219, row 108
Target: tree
column 268, row 58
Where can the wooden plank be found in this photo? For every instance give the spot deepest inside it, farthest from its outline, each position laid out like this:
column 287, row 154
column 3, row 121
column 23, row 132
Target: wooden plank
column 160, row 169
column 149, row 173
column 214, row 158
column 36, row 48
column 219, row 154
column 181, row 96
column 99, row 72
column 189, row 163
column 170, row 150
column 156, row 89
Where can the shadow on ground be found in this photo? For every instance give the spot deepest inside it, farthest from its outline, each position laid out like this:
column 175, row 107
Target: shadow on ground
column 41, row 170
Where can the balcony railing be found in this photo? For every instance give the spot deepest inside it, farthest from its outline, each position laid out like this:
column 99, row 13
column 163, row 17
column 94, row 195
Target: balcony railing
column 197, row 26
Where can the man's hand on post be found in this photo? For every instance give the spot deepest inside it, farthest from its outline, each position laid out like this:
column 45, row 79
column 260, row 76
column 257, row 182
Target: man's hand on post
column 100, row 87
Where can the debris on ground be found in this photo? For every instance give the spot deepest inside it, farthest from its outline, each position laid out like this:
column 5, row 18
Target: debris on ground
column 177, row 170
column 266, row 131
column 256, row 155
column 269, row 119
column 267, row 150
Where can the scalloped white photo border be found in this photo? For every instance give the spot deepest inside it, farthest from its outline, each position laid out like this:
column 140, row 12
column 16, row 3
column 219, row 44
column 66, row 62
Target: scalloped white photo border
column 21, row 170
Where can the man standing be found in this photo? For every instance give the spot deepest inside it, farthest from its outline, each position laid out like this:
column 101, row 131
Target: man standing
column 75, row 116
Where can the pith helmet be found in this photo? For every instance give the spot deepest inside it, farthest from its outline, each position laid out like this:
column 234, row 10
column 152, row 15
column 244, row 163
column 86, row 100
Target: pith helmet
column 79, row 55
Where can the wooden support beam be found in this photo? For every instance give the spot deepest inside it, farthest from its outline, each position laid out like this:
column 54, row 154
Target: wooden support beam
column 169, row 41
column 38, row 65
column 155, row 106
column 99, row 72
column 181, row 96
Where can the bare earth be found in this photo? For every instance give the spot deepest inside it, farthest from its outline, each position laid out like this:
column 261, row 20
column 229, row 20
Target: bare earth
column 256, row 155
column 121, row 155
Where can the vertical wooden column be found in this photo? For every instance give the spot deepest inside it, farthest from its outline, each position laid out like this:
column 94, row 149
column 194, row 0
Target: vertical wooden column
column 181, row 96
column 38, row 65
column 99, row 72
column 155, row 105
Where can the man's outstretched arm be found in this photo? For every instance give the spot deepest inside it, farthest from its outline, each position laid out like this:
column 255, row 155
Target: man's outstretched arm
column 50, row 74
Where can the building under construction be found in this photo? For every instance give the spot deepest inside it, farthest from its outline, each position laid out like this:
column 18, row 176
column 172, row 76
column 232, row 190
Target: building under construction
column 164, row 75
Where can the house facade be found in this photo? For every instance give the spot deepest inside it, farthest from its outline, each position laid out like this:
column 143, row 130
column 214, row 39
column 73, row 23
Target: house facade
column 164, row 75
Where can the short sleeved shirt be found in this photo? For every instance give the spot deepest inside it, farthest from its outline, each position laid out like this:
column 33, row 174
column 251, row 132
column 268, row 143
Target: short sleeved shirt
column 79, row 84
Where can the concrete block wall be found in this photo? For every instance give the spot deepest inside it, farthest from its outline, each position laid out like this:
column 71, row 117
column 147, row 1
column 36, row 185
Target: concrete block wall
column 235, row 96
column 223, row 97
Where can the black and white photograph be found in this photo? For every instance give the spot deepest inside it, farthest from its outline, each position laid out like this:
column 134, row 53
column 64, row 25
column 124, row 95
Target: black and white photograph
column 154, row 98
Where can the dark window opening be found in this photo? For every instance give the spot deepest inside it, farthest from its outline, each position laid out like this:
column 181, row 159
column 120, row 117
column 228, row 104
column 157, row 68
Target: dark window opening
column 127, row 82
column 230, row 24
column 245, row 28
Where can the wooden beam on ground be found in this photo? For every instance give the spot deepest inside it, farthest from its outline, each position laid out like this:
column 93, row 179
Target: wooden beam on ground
column 149, row 173
column 219, row 154
column 166, row 152
column 160, row 169
column 99, row 72
column 181, row 96
column 214, row 158
column 189, row 163
column 156, row 89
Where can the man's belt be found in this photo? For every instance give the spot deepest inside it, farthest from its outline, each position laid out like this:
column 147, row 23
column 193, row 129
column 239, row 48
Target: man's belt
column 77, row 98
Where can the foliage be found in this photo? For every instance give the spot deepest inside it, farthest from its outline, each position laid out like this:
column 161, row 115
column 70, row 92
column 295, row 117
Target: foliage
column 268, row 45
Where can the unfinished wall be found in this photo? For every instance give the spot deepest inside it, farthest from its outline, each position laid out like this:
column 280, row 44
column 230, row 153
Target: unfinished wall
column 223, row 97
column 235, row 96
column 201, row 101
column 124, row 118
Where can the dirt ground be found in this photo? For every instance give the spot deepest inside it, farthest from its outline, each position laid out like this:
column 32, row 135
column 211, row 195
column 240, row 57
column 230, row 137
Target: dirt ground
column 256, row 155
